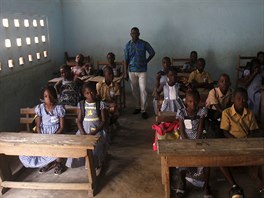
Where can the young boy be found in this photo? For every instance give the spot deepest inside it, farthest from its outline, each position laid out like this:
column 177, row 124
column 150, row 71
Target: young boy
column 111, row 60
column 218, row 99
column 191, row 65
column 238, row 122
column 109, row 91
column 200, row 79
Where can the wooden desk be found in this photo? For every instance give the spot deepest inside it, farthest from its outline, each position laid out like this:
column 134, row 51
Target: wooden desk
column 208, row 153
column 101, row 78
column 55, row 80
column 64, row 146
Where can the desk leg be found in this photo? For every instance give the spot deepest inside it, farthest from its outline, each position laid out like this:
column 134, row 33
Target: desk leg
column 162, row 161
column 5, row 172
column 166, row 177
column 90, row 171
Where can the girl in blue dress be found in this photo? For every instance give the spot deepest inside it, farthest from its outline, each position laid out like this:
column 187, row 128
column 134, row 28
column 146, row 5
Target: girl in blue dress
column 49, row 120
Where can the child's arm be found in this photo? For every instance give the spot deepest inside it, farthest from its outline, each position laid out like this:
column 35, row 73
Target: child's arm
column 247, row 80
column 79, row 122
column 182, row 130
column 227, row 134
column 57, row 86
column 60, row 130
column 200, row 128
column 102, row 123
column 38, row 122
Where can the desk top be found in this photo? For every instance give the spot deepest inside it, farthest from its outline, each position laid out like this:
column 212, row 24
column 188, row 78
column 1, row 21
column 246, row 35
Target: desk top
column 43, row 141
column 212, row 147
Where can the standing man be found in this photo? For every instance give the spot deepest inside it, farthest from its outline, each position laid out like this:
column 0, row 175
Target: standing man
column 136, row 68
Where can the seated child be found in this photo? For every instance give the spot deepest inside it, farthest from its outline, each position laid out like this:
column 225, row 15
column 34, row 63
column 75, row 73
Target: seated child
column 238, row 122
column 50, row 120
column 218, row 99
column 260, row 57
column 171, row 93
column 161, row 79
column 109, row 91
column 191, row 120
column 78, row 69
column 116, row 68
column 68, row 88
column 200, row 79
column 91, row 121
column 253, row 81
column 191, row 65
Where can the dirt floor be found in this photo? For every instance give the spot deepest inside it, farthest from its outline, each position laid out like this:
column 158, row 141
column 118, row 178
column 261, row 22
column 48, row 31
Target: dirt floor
column 132, row 169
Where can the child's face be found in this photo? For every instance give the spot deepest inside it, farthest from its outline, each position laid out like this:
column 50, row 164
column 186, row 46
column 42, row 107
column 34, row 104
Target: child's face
column 240, row 101
column 88, row 94
column 193, row 57
column 64, row 74
column 171, row 78
column 166, row 63
column 190, row 103
column 110, row 58
column 200, row 66
column 109, row 76
column 134, row 35
column 223, row 84
column 48, row 99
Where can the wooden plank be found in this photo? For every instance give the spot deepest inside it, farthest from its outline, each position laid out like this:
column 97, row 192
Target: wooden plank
column 47, row 140
column 26, row 120
column 225, row 147
column 46, row 186
column 27, row 111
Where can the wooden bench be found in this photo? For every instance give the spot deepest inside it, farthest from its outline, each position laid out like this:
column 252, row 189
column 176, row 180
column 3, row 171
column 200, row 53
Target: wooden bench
column 208, row 153
column 27, row 118
column 64, row 146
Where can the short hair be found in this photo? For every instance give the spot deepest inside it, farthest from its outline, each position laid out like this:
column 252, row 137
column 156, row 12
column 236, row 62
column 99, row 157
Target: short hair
column 108, row 69
column 166, row 58
column 110, row 53
column 241, row 90
column 134, row 28
column 88, row 85
column 52, row 92
column 224, row 75
column 201, row 60
column 65, row 68
column 259, row 53
column 194, row 93
column 193, row 52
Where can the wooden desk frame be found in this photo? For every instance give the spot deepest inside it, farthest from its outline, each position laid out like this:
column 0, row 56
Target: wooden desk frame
column 208, row 153
column 63, row 146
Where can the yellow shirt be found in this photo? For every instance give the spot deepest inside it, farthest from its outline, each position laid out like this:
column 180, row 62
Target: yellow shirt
column 238, row 125
column 200, row 77
column 215, row 96
column 107, row 92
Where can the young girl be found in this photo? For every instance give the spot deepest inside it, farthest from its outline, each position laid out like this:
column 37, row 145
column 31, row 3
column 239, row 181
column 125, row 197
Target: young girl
column 50, row 120
column 191, row 120
column 79, row 69
column 68, row 87
column 170, row 92
column 91, row 121
column 161, row 80
column 112, row 64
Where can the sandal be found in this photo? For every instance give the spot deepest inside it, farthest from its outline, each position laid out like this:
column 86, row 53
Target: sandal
column 46, row 168
column 236, row 192
column 59, row 169
column 179, row 193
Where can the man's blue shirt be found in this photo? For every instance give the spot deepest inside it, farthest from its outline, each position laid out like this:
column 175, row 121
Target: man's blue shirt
column 135, row 55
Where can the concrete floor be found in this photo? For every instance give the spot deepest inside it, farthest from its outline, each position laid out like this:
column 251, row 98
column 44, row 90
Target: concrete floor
column 133, row 169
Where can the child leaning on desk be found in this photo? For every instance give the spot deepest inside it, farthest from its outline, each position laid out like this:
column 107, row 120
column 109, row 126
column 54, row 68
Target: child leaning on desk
column 239, row 122
column 191, row 119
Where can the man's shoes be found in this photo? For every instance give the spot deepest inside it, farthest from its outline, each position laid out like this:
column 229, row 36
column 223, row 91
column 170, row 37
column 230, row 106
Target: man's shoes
column 144, row 115
column 136, row 111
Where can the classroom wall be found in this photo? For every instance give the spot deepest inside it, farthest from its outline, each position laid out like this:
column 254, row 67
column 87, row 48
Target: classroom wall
column 219, row 30
column 20, row 87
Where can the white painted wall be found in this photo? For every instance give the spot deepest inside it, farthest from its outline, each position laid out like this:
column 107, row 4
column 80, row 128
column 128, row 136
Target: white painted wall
column 219, row 30
column 21, row 86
